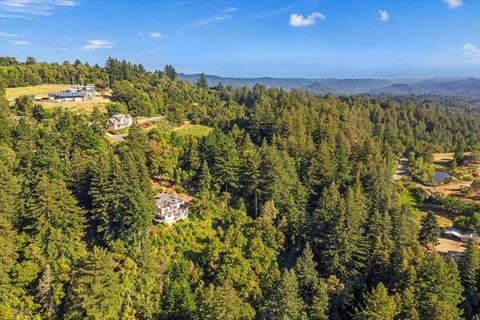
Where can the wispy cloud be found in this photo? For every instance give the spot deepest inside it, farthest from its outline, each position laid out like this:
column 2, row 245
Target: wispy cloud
column 19, row 42
column 266, row 14
column 471, row 52
column 141, row 34
column 230, row 10
column 155, row 34
column 383, row 15
column 453, row 4
column 30, row 9
column 9, row 35
column 223, row 15
column 98, row 44
column 298, row 20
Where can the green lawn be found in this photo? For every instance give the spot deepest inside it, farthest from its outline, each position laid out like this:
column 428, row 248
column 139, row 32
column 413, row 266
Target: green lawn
column 406, row 197
column 196, row 130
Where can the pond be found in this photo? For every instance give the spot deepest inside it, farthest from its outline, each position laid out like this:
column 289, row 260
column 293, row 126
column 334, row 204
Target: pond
column 440, row 175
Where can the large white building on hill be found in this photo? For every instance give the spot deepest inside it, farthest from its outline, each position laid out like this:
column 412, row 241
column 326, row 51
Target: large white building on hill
column 170, row 209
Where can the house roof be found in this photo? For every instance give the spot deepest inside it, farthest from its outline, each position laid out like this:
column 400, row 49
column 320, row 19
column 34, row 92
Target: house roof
column 67, row 94
column 462, row 234
column 120, row 117
column 166, row 200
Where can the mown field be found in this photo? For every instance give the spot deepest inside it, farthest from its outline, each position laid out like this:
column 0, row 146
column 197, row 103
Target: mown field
column 40, row 91
column 196, row 130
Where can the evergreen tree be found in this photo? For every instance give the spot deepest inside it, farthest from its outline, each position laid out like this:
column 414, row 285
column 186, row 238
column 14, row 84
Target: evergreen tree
column 223, row 302
column 438, row 288
column 287, row 303
column 469, row 267
column 459, row 151
column 378, row 305
column 311, row 288
column 202, row 81
column 429, row 230
column 10, row 290
column 57, row 222
column 250, row 175
column 205, row 178
column 179, row 299
column 381, row 245
column 96, row 290
column 407, row 306
column 5, row 123
column 170, row 72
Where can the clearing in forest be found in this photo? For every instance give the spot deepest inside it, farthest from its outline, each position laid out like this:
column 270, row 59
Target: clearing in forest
column 197, row 130
column 40, row 91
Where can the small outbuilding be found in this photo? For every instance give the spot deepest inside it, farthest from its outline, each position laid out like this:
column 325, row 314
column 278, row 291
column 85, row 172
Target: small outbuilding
column 460, row 235
column 120, row 121
column 170, row 209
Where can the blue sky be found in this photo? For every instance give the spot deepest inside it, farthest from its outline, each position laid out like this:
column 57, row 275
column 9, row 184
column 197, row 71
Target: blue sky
column 315, row 39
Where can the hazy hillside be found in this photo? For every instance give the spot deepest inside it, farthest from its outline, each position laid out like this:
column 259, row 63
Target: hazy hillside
column 319, row 88
column 285, row 83
column 463, row 87
column 355, row 86
column 469, row 88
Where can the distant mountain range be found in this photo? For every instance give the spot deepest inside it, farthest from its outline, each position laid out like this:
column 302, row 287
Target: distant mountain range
column 468, row 88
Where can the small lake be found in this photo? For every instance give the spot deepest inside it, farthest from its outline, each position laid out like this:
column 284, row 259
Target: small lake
column 440, row 175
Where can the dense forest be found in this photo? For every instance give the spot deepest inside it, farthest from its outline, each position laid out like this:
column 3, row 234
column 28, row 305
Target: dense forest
column 295, row 214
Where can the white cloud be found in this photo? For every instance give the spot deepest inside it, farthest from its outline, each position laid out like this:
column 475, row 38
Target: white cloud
column 66, row 3
column 155, row 34
column 225, row 14
column 383, row 15
column 20, row 42
column 266, row 14
column 453, row 4
column 9, row 35
column 298, row 20
column 141, row 34
column 98, row 44
column 29, row 9
column 471, row 51
column 230, row 10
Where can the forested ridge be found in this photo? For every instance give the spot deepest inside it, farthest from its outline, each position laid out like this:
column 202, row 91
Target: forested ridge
column 294, row 214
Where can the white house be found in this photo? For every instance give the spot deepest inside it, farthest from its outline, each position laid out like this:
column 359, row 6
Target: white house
column 120, row 121
column 170, row 209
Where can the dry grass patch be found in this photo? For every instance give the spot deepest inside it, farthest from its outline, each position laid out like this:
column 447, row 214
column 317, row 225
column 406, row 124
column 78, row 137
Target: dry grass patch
column 450, row 248
column 40, row 91
column 78, row 107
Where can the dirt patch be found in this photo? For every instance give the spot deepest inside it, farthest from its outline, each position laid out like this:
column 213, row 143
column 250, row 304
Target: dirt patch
column 161, row 186
column 443, row 157
column 450, row 248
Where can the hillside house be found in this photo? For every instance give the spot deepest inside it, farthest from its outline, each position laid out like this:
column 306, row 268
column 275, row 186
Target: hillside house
column 120, row 121
column 459, row 235
column 170, row 209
